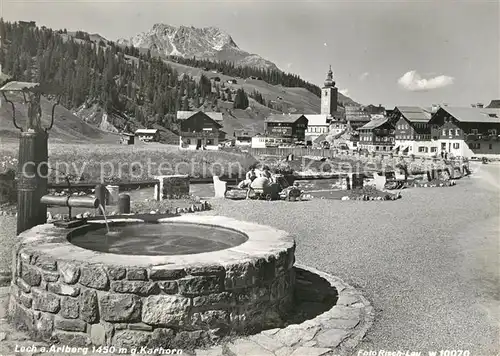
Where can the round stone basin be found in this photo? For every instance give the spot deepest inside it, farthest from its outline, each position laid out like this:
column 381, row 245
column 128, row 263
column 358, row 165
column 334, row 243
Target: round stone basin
column 177, row 282
column 159, row 239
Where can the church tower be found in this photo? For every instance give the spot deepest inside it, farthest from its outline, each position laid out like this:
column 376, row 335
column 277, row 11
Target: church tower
column 329, row 95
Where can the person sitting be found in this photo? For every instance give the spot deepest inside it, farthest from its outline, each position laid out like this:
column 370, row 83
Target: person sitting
column 266, row 173
column 249, row 178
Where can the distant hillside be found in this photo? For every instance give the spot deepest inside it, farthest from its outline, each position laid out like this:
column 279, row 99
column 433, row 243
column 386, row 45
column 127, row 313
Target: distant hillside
column 67, row 127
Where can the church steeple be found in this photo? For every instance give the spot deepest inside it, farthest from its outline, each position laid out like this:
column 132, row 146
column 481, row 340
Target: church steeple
column 329, row 82
column 329, row 96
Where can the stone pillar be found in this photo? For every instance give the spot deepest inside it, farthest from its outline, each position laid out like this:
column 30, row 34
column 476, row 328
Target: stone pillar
column 356, row 180
column 32, row 179
column 172, row 187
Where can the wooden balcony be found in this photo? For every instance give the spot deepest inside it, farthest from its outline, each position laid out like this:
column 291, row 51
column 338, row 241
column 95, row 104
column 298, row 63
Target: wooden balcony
column 481, row 137
column 201, row 134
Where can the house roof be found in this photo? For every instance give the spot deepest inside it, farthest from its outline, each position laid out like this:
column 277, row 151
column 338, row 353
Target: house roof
column 146, row 131
column 482, row 115
column 317, row 119
column 415, row 113
column 183, row 115
column 320, row 138
column 373, row 124
column 284, row 118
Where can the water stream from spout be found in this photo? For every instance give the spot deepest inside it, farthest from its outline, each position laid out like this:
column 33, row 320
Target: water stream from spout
column 105, row 218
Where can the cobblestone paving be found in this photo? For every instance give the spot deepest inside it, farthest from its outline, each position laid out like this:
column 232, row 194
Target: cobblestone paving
column 334, row 332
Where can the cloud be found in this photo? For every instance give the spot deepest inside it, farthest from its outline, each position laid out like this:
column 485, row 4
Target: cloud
column 364, row 76
column 412, row 81
column 324, row 44
column 344, row 92
column 289, row 65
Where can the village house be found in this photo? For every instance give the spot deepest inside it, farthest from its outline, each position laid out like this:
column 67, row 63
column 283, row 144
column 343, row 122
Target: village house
column 374, row 110
column 242, row 138
column 356, row 116
column 377, row 135
column 317, row 125
column 289, row 128
column 413, row 132
column 148, row 135
column 200, row 130
column 127, row 138
column 466, row 132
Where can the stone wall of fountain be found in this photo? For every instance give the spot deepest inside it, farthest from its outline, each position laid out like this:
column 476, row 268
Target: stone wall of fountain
column 64, row 293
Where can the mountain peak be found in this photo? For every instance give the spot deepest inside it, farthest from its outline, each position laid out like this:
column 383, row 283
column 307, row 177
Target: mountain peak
column 188, row 41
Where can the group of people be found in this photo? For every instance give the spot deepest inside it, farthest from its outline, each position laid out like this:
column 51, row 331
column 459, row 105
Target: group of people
column 261, row 176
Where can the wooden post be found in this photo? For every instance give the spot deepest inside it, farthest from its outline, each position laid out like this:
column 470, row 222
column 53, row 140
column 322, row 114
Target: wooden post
column 32, row 179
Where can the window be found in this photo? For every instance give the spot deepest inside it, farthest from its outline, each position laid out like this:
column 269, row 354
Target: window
column 210, row 142
column 492, row 132
column 456, row 146
column 491, row 146
column 475, row 146
column 457, row 132
column 473, row 131
column 444, row 132
column 451, row 132
column 421, row 149
column 188, row 141
column 434, row 149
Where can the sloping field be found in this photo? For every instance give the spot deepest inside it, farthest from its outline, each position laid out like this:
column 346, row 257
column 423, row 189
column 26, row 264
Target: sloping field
column 67, row 127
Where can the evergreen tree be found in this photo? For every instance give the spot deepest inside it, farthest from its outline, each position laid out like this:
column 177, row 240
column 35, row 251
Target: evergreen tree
column 240, row 99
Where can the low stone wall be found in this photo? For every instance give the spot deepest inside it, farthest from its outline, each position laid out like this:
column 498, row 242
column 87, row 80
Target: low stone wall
column 172, row 187
column 58, row 295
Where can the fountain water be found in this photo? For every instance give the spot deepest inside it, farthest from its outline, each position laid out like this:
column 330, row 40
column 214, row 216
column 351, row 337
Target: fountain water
column 109, row 233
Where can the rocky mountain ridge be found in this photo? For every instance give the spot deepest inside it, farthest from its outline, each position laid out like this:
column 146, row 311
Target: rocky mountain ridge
column 205, row 43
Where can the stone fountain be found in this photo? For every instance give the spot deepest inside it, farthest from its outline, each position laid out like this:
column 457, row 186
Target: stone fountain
column 175, row 282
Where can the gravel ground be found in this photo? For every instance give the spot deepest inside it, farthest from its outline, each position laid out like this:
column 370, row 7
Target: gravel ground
column 429, row 262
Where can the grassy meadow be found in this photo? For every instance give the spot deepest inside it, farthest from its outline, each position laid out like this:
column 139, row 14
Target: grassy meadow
column 112, row 162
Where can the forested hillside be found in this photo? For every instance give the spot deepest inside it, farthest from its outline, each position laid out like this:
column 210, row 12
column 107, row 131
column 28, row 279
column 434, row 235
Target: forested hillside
column 134, row 87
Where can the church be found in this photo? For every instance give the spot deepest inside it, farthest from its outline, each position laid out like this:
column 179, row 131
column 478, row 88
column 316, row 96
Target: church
column 330, row 117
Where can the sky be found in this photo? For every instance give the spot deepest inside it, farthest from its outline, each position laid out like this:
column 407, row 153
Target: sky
column 382, row 52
